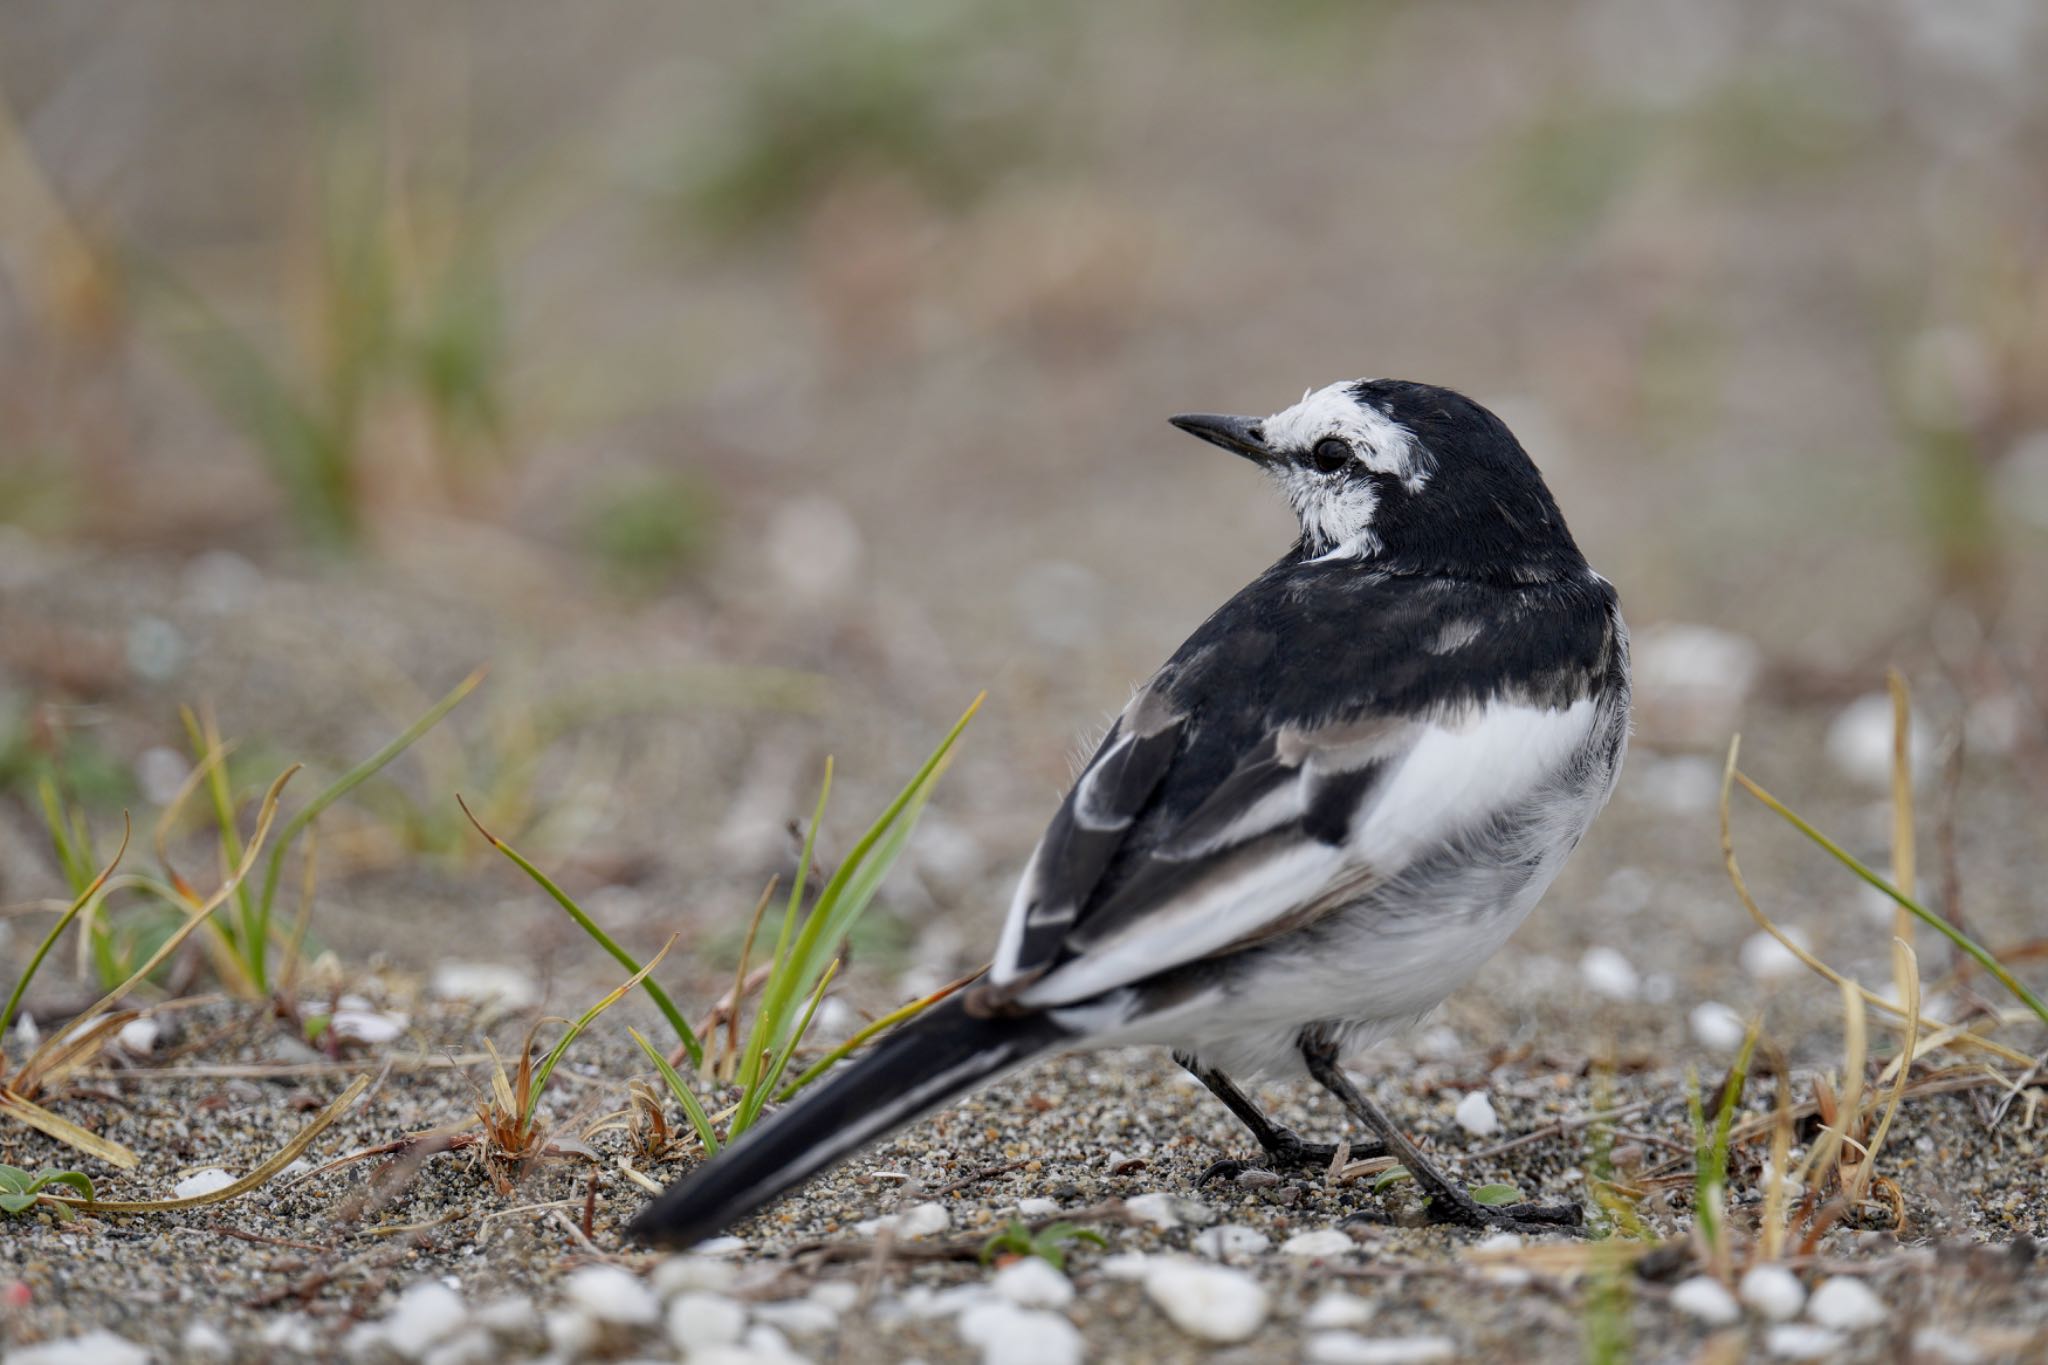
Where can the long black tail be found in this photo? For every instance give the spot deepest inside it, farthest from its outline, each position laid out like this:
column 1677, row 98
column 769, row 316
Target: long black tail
column 941, row 1054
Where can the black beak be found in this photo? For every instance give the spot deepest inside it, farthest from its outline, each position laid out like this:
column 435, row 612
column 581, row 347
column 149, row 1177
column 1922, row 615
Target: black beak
column 1241, row 435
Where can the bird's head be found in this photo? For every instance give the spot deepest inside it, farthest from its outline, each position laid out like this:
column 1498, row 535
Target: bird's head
column 1405, row 478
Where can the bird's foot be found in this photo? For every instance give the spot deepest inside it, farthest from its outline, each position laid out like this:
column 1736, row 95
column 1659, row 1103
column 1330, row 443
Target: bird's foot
column 1287, row 1152
column 1461, row 1210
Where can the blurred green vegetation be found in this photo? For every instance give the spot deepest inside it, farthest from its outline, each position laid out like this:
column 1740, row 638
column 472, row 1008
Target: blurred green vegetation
column 929, row 95
column 647, row 530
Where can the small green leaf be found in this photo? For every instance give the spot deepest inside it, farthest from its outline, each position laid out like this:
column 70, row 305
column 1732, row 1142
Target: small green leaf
column 13, row 1178
column 17, row 1203
column 1014, row 1239
column 77, row 1180
column 1391, row 1175
column 1496, row 1194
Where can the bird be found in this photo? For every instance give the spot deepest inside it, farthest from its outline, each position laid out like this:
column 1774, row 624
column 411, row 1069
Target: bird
column 1335, row 801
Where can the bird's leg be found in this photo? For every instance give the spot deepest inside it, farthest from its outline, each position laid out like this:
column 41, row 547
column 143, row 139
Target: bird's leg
column 1284, row 1148
column 1447, row 1202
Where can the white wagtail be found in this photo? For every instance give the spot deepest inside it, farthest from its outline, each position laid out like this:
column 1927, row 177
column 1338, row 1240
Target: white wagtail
column 1334, row 802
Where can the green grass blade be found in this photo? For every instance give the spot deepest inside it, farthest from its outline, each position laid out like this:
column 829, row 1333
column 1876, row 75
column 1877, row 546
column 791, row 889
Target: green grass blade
column 575, row 1030
column 699, row 1120
column 779, row 990
column 605, row 941
column 57, row 930
column 340, row 787
column 750, row 1106
column 1933, row 921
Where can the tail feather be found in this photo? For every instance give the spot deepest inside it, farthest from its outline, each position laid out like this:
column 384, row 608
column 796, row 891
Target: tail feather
column 942, row 1054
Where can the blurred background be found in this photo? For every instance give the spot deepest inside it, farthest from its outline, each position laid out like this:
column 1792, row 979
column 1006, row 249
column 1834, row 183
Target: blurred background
column 749, row 383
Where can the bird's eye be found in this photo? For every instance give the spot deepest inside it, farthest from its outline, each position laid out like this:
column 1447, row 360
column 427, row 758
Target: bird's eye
column 1330, row 454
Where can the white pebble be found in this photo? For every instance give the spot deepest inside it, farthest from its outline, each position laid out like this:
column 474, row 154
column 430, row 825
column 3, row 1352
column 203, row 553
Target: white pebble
column 1707, row 1299
column 798, row 1317
column 512, row 1316
column 426, row 1314
column 611, row 1294
column 138, row 1036
column 1209, row 1302
column 570, row 1334
column 1848, row 1304
column 369, row 1026
column 919, row 1220
column 1946, row 1344
column 838, row 1295
column 1226, row 1240
column 1009, row 1335
column 1349, row 1348
column 679, row 1274
column 471, row 1346
column 1766, row 959
column 1606, row 972
column 1773, row 1291
column 1037, row 1208
column 1032, row 1282
column 1859, row 741
column 1475, row 1115
column 202, row 1340
column 1319, row 1243
column 767, row 1343
column 202, row 1182
column 94, row 1348
column 1338, row 1309
column 493, row 983
column 1798, row 1341
column 292, row 1333
column 704, row 1319
column 1716, row 1026
column 1163, row 1210
column 1126, row 1265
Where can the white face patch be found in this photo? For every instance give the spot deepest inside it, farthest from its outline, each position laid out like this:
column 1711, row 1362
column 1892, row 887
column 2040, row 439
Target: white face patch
column 1336, row 511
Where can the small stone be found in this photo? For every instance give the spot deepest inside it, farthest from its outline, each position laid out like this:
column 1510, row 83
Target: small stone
column 355, row 1021
column 1800, row 1341
column 720, row 1246
column 426, row 1314
column 1322, row 1242
column 1946, row 1345
column 94, row 1348
column 1606, row 972
column 570, row 1334
column 471, row 1346
column 797, row 1317
column 1859, row 741
column 1848, row 1305
column 1716, row 1026
column 610, row 1294
column 767, row 1342
column 201, row 1340
column 1349, row 1348
column 290, row 1333
column 1773, row 1291
column 511, row 1316
column 492, row 983
column 679, row 1274
column 1010, row 1335
column 138, row 1036
column 1337, row 1309
column 1164, row 1211
column 697, row 1319
column 202, row 1182
column 1037, row 1208
column 1256, row 1178
column 1705, row 1298
column 1475, row 1115
column 365, row 1342
column 919, row 1220
column 1032, row 1282
column 1208, row 1302
column 1230, row 1239
column 838, row 1295
column 1766, row 959
column 1126, row 1265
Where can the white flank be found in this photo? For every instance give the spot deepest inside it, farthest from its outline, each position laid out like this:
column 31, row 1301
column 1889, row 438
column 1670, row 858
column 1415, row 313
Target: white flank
column 1457, row 774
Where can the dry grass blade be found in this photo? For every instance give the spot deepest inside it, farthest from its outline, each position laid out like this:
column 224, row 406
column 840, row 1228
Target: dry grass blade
column 262, row 1175
column 1903, row 871
column 65, row 1131
column 32, row 1069
column 1906, row 970
column 1894, row 1014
